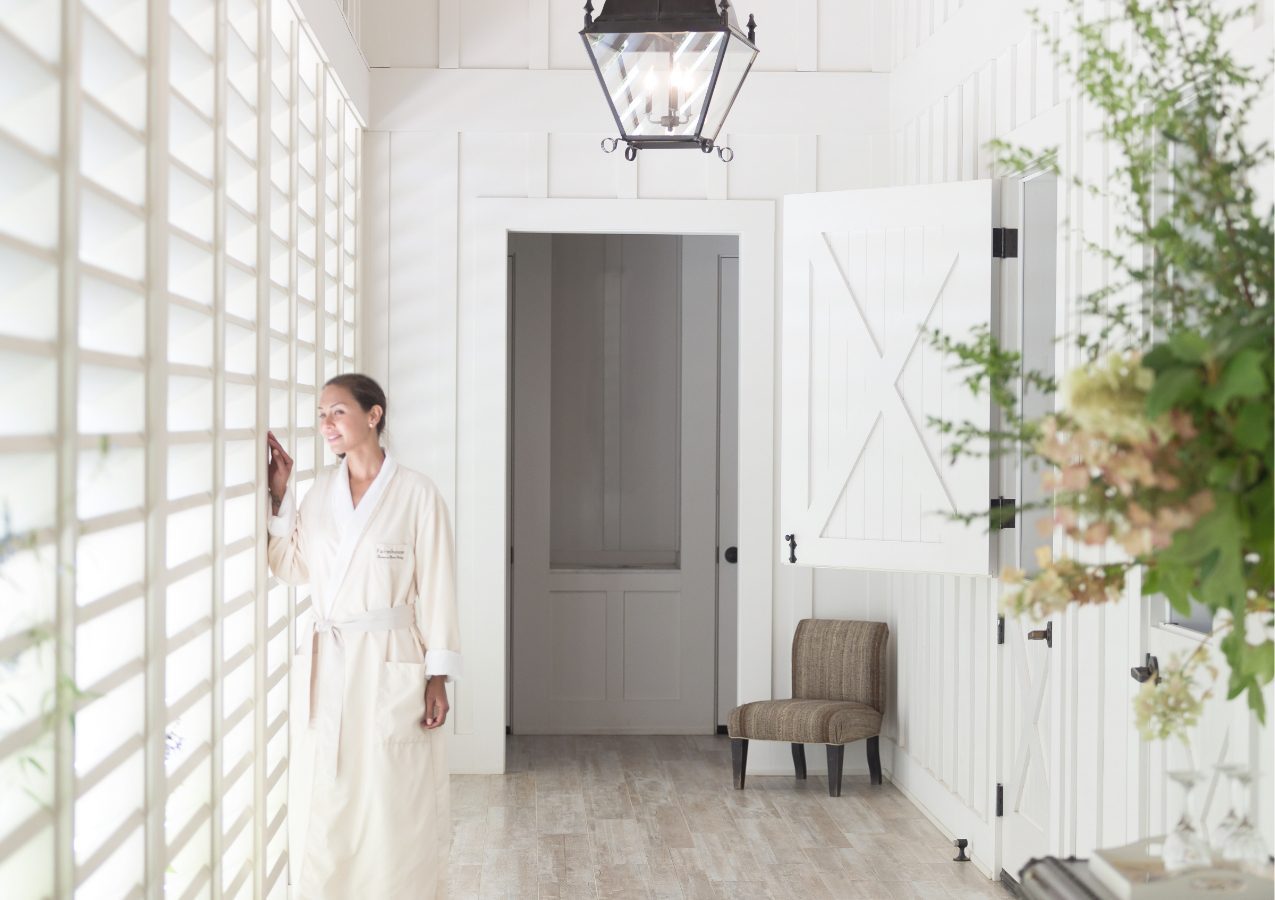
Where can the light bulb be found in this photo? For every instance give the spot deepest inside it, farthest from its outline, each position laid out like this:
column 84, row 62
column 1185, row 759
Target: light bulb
column 651, row 81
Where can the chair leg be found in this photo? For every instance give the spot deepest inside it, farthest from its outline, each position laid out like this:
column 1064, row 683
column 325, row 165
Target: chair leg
column 799, row 760
column 836, row 756
column 874, row 759
column 739, row 760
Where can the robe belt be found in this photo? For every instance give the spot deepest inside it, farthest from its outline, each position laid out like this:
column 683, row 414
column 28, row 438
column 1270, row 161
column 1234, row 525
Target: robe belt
column 327, row 657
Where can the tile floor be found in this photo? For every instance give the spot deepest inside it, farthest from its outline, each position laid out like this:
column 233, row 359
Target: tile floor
column 658, row 818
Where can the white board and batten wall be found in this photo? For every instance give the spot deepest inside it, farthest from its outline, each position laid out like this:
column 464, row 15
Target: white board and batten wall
column 458, row 145
column 502, row 113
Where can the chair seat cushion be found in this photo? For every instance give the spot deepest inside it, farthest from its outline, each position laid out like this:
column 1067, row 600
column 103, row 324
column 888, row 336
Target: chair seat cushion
column 804, row 721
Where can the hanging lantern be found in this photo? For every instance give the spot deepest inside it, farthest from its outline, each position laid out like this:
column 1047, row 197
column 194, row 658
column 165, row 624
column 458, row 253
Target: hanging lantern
column 670, row 69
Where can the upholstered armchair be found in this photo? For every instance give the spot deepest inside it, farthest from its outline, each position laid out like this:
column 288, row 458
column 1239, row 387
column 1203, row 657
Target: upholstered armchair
column 838, row 696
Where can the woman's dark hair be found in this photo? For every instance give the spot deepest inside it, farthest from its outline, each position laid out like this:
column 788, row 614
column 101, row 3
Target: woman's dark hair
column 367, row 393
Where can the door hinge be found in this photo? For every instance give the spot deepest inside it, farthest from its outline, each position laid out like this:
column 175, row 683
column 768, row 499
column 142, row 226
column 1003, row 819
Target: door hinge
column 1045, row 634
column 1143, row 674
column 1005, row 243
column 511, row 556
column 1000, row 629
column 1000, row 799
column 1003, row 512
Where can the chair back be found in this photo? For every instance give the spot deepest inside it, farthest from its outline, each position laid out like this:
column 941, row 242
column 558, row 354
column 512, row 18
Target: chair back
column 834, row 659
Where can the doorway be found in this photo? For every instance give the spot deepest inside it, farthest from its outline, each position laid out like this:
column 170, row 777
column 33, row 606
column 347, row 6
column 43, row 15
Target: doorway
column 622, row 458
column 480, row 703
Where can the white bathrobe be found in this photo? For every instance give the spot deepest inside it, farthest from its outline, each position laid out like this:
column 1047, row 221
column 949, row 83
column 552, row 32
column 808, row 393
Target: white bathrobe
column 368, row 792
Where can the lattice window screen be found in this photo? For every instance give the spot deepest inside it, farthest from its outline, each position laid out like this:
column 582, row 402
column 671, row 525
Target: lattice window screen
column 178, row 272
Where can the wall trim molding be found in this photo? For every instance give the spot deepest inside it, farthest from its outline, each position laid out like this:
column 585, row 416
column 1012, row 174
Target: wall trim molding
column 331, row 35
column 513, row 100
column 482, row 391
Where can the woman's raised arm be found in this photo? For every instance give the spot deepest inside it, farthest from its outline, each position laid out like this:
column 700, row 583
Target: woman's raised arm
column 284, row 546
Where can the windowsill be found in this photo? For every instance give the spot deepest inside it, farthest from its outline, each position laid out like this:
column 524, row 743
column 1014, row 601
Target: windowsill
column 1182, row 631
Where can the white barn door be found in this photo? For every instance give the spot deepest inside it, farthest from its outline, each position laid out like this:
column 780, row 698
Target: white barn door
column 866, row 480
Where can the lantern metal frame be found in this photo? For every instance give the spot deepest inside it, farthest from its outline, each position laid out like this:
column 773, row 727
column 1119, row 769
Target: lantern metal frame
column 654, row 16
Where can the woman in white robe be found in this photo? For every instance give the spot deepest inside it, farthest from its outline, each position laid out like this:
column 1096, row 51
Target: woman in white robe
column 368, row 787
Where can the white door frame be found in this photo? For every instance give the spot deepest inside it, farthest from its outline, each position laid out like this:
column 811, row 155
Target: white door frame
column 478, row 742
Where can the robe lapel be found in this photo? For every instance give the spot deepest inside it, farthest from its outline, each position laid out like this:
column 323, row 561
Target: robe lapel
column 352, row 522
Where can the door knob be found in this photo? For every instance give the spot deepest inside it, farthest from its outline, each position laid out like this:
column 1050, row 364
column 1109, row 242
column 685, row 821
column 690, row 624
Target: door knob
column 1143, row 674
column 732, row 554
column 1045, row 634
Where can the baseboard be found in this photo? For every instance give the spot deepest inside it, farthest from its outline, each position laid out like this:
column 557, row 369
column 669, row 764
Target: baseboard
column 810, row 770
column 635, row 731
column 938, row 804
column 775, row 758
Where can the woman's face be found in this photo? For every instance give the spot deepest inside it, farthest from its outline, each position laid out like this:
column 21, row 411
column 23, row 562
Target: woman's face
column 342, row 422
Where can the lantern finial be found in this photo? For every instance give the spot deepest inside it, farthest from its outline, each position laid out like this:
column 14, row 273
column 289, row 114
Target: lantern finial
column 752, row 30
column 725, row 6
column 588, row 13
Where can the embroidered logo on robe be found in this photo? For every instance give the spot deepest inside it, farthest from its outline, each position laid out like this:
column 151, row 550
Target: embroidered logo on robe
column 391, row 551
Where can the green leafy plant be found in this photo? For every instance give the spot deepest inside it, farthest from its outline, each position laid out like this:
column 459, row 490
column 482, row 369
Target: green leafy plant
column 1161, row 443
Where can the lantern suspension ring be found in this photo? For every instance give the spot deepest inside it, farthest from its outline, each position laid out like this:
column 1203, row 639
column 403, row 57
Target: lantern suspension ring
column 670, row 70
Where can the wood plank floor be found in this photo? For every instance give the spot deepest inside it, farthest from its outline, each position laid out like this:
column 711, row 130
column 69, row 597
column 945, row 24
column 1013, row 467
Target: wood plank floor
column 658, row 818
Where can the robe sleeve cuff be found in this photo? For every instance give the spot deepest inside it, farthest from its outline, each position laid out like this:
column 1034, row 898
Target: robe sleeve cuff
column 442, row 662
column 281, row 526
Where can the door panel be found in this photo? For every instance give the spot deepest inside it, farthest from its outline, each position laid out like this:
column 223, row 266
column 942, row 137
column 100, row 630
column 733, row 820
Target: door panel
column 1029, row 750
column 1032, row 660
column 600, row 649
column 867, row 480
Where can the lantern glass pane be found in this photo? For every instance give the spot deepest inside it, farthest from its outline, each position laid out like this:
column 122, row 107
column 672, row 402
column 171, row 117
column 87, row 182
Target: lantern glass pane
column 736, row 61
column 657, row 82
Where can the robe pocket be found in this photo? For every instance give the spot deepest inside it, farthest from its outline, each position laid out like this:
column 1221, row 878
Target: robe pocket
column 400, row 703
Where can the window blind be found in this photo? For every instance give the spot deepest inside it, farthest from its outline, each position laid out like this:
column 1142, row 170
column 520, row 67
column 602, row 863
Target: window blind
column 178, row 273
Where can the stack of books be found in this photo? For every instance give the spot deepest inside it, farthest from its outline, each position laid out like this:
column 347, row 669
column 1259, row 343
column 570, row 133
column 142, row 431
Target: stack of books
column 1136, row 872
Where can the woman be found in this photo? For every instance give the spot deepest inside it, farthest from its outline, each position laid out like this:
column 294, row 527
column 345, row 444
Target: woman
column 368, row 792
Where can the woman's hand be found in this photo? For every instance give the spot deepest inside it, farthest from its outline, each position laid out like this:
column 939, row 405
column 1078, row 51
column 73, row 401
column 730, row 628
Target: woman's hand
column 279, row 468
column 436, row 705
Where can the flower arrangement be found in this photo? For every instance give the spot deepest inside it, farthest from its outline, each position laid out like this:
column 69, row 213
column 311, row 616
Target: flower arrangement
column 1159, row 452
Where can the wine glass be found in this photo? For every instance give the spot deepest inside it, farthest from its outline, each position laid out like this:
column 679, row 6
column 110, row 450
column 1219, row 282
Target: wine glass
column 1183, row 847
column 1244, row 846
column 1224, row 828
